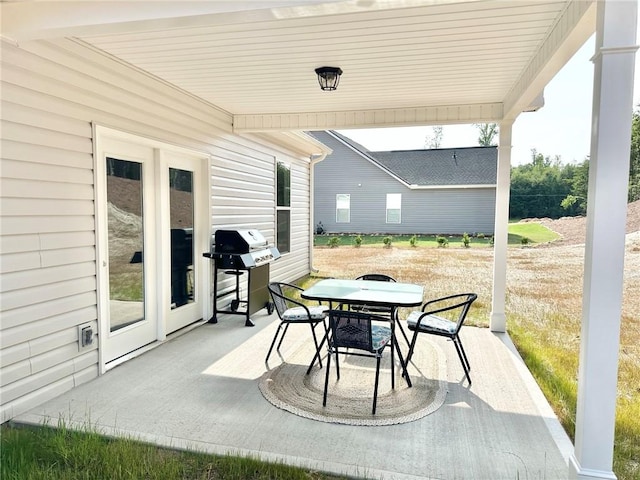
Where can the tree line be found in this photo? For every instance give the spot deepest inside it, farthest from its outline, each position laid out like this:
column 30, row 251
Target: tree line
column 546, row 187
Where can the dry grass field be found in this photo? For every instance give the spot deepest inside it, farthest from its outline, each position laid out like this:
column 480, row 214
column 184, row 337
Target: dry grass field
column 544, row 308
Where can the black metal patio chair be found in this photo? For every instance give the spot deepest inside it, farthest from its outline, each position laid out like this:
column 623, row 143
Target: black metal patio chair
column 380, row 310
column 431, row 320
column 293, row 311
column 355, row 331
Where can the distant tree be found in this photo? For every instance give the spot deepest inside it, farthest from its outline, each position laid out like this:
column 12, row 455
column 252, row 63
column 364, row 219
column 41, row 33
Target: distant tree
column 577, row 177
column 487, row 132
column 537, row 188
column 435, row 139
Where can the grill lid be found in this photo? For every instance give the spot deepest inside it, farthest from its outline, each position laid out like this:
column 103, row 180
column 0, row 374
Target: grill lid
column 239, row 241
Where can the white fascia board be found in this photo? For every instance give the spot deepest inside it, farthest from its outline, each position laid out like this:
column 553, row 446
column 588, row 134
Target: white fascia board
column 296, row 142
column 392, row 117
column 576, row 24
column 452, row 187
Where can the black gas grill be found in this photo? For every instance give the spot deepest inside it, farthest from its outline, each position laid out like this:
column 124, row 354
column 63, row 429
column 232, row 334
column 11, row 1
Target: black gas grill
column 236, row 252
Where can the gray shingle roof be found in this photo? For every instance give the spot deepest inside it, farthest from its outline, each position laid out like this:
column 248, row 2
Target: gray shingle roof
column 442, row 166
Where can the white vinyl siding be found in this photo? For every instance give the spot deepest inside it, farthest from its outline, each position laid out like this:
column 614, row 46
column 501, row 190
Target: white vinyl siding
column 52, row 92
column 343, row 208
column 394, row 207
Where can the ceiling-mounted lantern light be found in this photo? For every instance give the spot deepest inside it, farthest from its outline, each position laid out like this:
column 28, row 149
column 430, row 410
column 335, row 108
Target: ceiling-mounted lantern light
column 328, row 77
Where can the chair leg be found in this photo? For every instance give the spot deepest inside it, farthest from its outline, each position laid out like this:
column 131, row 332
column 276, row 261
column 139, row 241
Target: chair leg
column 464, row 354
column 318, row 347
column 275, row 337
column 411, row 346
column 375, row 386
column 326, row 380
column 463, row 358
column 286, row 327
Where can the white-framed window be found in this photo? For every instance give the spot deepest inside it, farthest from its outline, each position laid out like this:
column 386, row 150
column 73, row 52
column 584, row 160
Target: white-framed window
column 343, row 208
column 283, row 207
column 394, row 207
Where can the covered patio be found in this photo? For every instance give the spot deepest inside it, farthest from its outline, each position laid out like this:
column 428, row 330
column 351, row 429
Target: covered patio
column 405, row 62
column 200, row 391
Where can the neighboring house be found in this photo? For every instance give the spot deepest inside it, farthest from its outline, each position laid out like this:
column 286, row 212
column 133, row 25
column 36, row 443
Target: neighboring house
column 101, row 165
column 440, row 191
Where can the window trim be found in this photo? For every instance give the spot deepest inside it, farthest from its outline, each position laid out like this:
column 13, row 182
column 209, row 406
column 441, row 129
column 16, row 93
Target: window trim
column 282, row 208
column 390, row 205
column 346, row 196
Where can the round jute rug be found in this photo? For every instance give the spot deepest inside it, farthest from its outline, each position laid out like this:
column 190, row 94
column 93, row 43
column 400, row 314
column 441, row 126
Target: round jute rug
column 350, row 399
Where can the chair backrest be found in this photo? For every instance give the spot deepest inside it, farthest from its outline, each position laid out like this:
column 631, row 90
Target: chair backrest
column 351, row 329
column 280, row 300
column 378, row 277
column 461, row 302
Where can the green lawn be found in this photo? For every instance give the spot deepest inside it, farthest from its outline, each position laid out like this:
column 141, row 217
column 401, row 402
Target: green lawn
column 534, row 232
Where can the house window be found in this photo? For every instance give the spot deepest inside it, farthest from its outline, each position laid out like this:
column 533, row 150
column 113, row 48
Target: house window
column 343, row 208
column 283, row 207
column 394, row 202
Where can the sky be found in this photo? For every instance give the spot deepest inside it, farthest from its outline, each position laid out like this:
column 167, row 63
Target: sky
column 561, row 128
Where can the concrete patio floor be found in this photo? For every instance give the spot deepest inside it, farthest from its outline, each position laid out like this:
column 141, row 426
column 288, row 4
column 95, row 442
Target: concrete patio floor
column 200, row 391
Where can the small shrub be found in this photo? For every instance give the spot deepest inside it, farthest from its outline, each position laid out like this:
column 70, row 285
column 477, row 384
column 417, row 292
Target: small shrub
column 357, row 241
column 413, row 241
column 466, row 240
column 442, row 242
column 333, row 242
column 491, row 241
column 387, row 241
column 525, row 241
column 479, row 235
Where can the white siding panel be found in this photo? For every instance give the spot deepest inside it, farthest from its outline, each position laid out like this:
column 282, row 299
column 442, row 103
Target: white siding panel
column 14, row 354
column 29, row 296
column 26, row 279
column 49, row 138
column 52, row 258
column 43, row 172
column 47, row 155
column 35, row 117
column 38, row 311
column 14, row 372
column 41, row 379
column 52, row 241
column 15, row 262
column 20, row 335
column 60, row 339
column 24, row 403
column 58, row 356
column 51, row 224
column 33, row 206
column 19, row 243
column 43, row 189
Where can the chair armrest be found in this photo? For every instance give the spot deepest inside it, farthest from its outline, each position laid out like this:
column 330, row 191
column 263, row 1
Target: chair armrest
column 468, row 300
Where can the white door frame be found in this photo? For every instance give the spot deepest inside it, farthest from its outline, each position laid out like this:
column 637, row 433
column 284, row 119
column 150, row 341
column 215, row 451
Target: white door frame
column 158, row 300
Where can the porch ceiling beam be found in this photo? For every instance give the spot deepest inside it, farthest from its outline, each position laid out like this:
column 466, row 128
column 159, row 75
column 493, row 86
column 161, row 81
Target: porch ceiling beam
column 391, row 117
column 577, row 24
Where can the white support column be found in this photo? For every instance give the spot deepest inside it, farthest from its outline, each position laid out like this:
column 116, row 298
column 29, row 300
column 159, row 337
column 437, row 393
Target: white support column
column 498, row 321
column 604, row 255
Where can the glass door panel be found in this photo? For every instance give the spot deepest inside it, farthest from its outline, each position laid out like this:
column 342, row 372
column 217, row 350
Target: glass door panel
column 125, row 218
column 181, row 212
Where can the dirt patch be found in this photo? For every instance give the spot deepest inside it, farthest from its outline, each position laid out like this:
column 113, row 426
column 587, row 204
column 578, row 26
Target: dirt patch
column 574, row 229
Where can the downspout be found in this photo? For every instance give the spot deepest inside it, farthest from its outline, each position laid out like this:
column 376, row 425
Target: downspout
column 315, row 158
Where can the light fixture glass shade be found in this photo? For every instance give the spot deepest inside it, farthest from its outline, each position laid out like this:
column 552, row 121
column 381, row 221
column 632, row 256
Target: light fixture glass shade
column 328, row 77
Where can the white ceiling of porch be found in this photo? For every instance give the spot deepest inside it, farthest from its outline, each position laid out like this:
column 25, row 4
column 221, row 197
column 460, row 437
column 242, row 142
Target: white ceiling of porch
column 488, row 58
